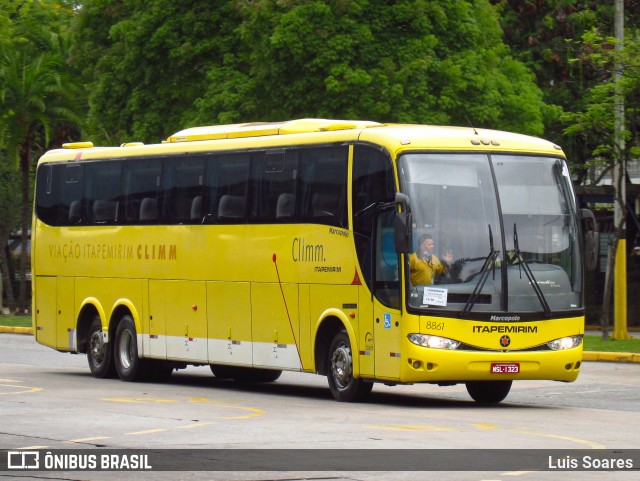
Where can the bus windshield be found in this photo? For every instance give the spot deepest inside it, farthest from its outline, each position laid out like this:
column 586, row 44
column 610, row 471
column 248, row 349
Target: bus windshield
column 492, row 233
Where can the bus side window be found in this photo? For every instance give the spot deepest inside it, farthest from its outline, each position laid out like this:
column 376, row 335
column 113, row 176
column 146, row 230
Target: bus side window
column 183, row 193
column 103, row 184
column 59, row 190
column 143, row 186
column 387, row 282
column 274, row 179
column 75, row 212
column 71, row 206
column 228, row 179
column 48, row 192
column 285, row 207
column 324, row 186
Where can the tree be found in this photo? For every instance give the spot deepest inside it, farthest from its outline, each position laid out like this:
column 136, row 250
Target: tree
column 147, row 62
column 597, row 120
column 593, row 118
column 407, row 61
column 9, row 220
column 554, row 38
column 35, row 103
column 162, row 67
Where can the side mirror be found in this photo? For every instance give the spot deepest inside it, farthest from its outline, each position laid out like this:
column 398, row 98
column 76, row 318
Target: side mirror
column 402, row 227
column 591, row 239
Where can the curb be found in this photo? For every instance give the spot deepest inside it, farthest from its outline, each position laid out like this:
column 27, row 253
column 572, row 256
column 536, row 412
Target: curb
column 586, row 355
column 16, row 330
column 610, row 356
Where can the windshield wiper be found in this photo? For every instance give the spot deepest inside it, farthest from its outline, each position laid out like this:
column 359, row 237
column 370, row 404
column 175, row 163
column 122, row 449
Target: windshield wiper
column 527, row 270
column 490, row 260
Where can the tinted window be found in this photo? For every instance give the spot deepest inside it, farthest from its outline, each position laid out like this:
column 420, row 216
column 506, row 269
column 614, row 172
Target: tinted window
column 373, row 182
column 48, row 197
column 184, row 197
column 143, row 191
column 228, row 179
column 324, row 186
column 103, row 192
column 274, row 183
column 286, row 185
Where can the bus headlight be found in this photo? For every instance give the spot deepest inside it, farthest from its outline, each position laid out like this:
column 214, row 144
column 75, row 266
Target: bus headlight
column 565, row 343
column 434, row 342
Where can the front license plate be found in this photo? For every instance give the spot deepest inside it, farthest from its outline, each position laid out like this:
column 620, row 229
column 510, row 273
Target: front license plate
column 505, row 368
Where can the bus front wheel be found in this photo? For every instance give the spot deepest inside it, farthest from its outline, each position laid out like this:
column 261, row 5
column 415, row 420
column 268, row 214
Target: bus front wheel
column 99, row 353
column 488, row 392
column 129, row 366
column 343, row 385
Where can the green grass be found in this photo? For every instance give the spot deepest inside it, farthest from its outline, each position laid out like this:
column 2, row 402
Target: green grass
column 15, row 321
column 595, row 343
column 591, row 343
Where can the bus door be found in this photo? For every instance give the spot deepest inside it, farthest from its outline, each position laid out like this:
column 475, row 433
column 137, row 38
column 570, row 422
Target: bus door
column 386, row 299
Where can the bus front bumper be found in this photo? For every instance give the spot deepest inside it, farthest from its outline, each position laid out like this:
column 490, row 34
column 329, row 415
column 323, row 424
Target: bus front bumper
column 423, row 364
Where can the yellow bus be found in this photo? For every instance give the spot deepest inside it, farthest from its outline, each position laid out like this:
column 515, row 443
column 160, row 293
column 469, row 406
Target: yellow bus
column 262, row 247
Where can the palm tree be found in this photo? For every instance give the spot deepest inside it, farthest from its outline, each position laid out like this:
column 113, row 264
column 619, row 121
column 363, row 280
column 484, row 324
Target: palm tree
column 33, row 103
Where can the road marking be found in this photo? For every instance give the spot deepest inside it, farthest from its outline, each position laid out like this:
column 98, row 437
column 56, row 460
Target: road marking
column 148, row 431
column 11, row 383
column 84, row 440
column 486, row 426
column 253, row 412
column 194, row 425
column 410, row 427
column 592, row 444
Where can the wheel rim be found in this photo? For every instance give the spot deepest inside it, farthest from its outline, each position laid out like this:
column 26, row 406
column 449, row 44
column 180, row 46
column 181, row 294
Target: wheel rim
column 341, row 366
column 125, row 349
column 96, row 348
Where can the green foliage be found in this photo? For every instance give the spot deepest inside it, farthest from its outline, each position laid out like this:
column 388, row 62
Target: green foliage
column 9, row 193
column 593, row 117
column 407, row 61
column 39, row 100
column 160, row 67
column 147, row 62
column 568, row 45
column 37, row 92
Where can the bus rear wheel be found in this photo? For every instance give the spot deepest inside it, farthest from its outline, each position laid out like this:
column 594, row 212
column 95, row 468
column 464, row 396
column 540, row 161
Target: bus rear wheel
column 344, row 387
column 128, row 364
column 99, row 353
column 488, row 392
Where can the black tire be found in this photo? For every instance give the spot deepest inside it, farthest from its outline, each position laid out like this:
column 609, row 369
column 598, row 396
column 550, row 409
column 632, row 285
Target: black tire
column 245, row 374
column 125, row 352
column 99, row 353
column 488, row 392
column 221, row 371
column 344, row 387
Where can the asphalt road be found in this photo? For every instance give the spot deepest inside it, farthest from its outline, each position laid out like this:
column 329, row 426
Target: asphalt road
column 49, row 401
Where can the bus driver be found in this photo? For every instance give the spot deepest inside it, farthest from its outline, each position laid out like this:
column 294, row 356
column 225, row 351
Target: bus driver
column 424, row 266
